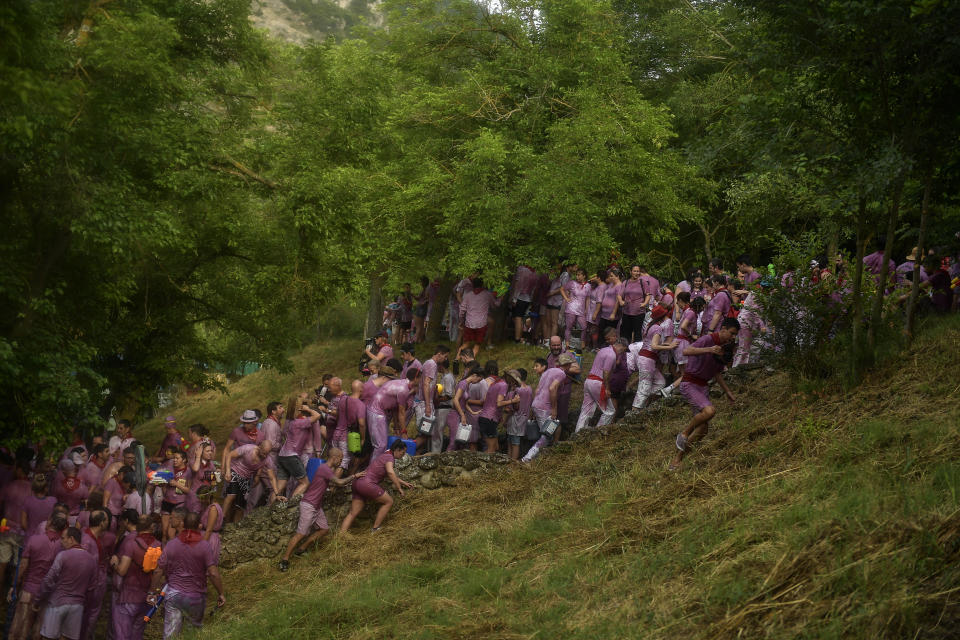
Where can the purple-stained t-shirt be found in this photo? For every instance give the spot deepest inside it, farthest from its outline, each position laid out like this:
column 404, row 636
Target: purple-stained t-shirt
column 541, row 399
column 428, row 376
column 683, row 285
column 525, row 393
column 185, row 565
column 489, row 409
column 524, row 283
column 634, row 293
column 652, row 330
column 13, row 496
column 751, row 277
column 412, row 364
column 133, row 501
column 91, row 474
column 874, row 263
column 553, row 362
column 609, row 301
column 204, row 475
column 196, row 448
column 218, row 524
column 240, row 436
column 704, row 366
column 349, row 411
column 595, row 299
column 72, row 497
column 461, row 289
column 453, row 418
column 905, row 273
column 318, row 486
column 37, row 510
column 133, row 589
column 384, row 353
column 299, row 433
column 475, row 308
column 370, row 390
column 41, row 550
column 720, row 302
column 604, row 361
column 557, row 283
column 688, row 318
column 377, row 470
column 174, row 440
column 71, row 576
column 271, row 430
column 172, row 494
column 578, row 294
column 652, row 286
column 390, row 396
column 248, row 463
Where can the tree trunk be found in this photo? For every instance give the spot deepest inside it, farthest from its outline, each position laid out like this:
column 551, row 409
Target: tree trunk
column 876, row 316
column 440, row 305
column 374, row 321
column 857, row 294
column 921, row 252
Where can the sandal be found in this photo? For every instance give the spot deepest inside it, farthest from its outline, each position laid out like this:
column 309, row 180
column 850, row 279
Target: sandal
column 681, row 442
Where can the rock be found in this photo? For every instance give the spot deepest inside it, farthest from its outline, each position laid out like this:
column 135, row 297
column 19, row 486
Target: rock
column 429, row 481
column 471, row 463
column 427, row 463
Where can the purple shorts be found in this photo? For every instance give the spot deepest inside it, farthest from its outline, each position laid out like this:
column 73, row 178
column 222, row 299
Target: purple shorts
column 65, row 620
column 365, row 490
column 310, row 517
column 697, row 397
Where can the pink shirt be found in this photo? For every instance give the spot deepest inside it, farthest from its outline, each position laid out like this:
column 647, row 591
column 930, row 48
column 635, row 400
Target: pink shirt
column 299, row 434
column 133, row 501
column 604, row 362
column 704, row 366
column 136, row 583
column 525, row 393
column 37, row 510
column 594, row 299
column 115, row 503
column 172, row 494
column 609, row 301
column 247, row 463
column 489, row 409
column 541, row 399
column 349, row 411
column 41, row 550
column 271, row 430
column 91, row 474
column 377, row 470
column 318, row 486
column 578, row 294
column 185, row 565
column 634, row 293
column 370, row 390
column 720, row 302
column 218, row 524
column 72, row 576
column 391, row 396
column 428, row 376
column 241, row 436
column 688, row 323
column 524, row 283
column 475, row 308
column 13, row 496
column 413, row 364
column 70, row 497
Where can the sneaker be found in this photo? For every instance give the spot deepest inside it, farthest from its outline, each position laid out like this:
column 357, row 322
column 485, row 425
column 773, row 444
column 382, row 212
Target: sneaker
column 284, row 565
column 681, row 442
column 375, row 529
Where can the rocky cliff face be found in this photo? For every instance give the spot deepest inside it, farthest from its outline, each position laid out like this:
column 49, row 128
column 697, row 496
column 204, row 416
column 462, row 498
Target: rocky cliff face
column 264, row 532
column 301, row 21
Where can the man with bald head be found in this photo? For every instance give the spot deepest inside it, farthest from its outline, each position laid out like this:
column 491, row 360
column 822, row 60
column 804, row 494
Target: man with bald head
column 350, row 416
column 312, row 524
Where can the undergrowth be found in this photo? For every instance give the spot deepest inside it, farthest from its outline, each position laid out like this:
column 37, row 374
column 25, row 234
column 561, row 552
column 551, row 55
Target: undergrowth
column 793, row 519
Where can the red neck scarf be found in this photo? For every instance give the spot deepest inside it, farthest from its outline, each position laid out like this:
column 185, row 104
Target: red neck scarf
column 52, row 535
column 477, row 290
column 190, row 537
column 147, row 537
column 716, row 338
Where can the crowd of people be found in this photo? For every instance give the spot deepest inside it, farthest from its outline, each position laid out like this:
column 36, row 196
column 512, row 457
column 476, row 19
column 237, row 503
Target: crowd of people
column 102, row 526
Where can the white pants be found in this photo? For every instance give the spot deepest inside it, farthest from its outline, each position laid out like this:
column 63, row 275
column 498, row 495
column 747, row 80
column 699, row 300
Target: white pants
column 591, row 399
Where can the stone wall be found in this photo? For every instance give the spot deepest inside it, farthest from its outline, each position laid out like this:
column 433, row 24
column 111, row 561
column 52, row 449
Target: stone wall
column 264, row 532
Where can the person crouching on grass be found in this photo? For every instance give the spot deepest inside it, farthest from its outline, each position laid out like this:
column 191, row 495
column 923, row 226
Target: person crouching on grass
column 368, row 487
column 312, row 524
column 704, row 363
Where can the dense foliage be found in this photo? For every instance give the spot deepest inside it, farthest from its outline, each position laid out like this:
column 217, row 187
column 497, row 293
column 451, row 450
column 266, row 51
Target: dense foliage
column 181, row 194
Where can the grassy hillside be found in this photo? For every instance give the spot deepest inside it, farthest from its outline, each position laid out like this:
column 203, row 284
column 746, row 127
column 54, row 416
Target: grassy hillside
column 795, row 518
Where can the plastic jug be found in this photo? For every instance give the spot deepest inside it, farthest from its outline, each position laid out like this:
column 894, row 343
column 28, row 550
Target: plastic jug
column 549, row 427
column 425, row 426
column 463, row 433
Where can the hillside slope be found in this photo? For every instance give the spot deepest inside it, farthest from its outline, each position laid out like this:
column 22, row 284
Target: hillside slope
column 794, row 519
